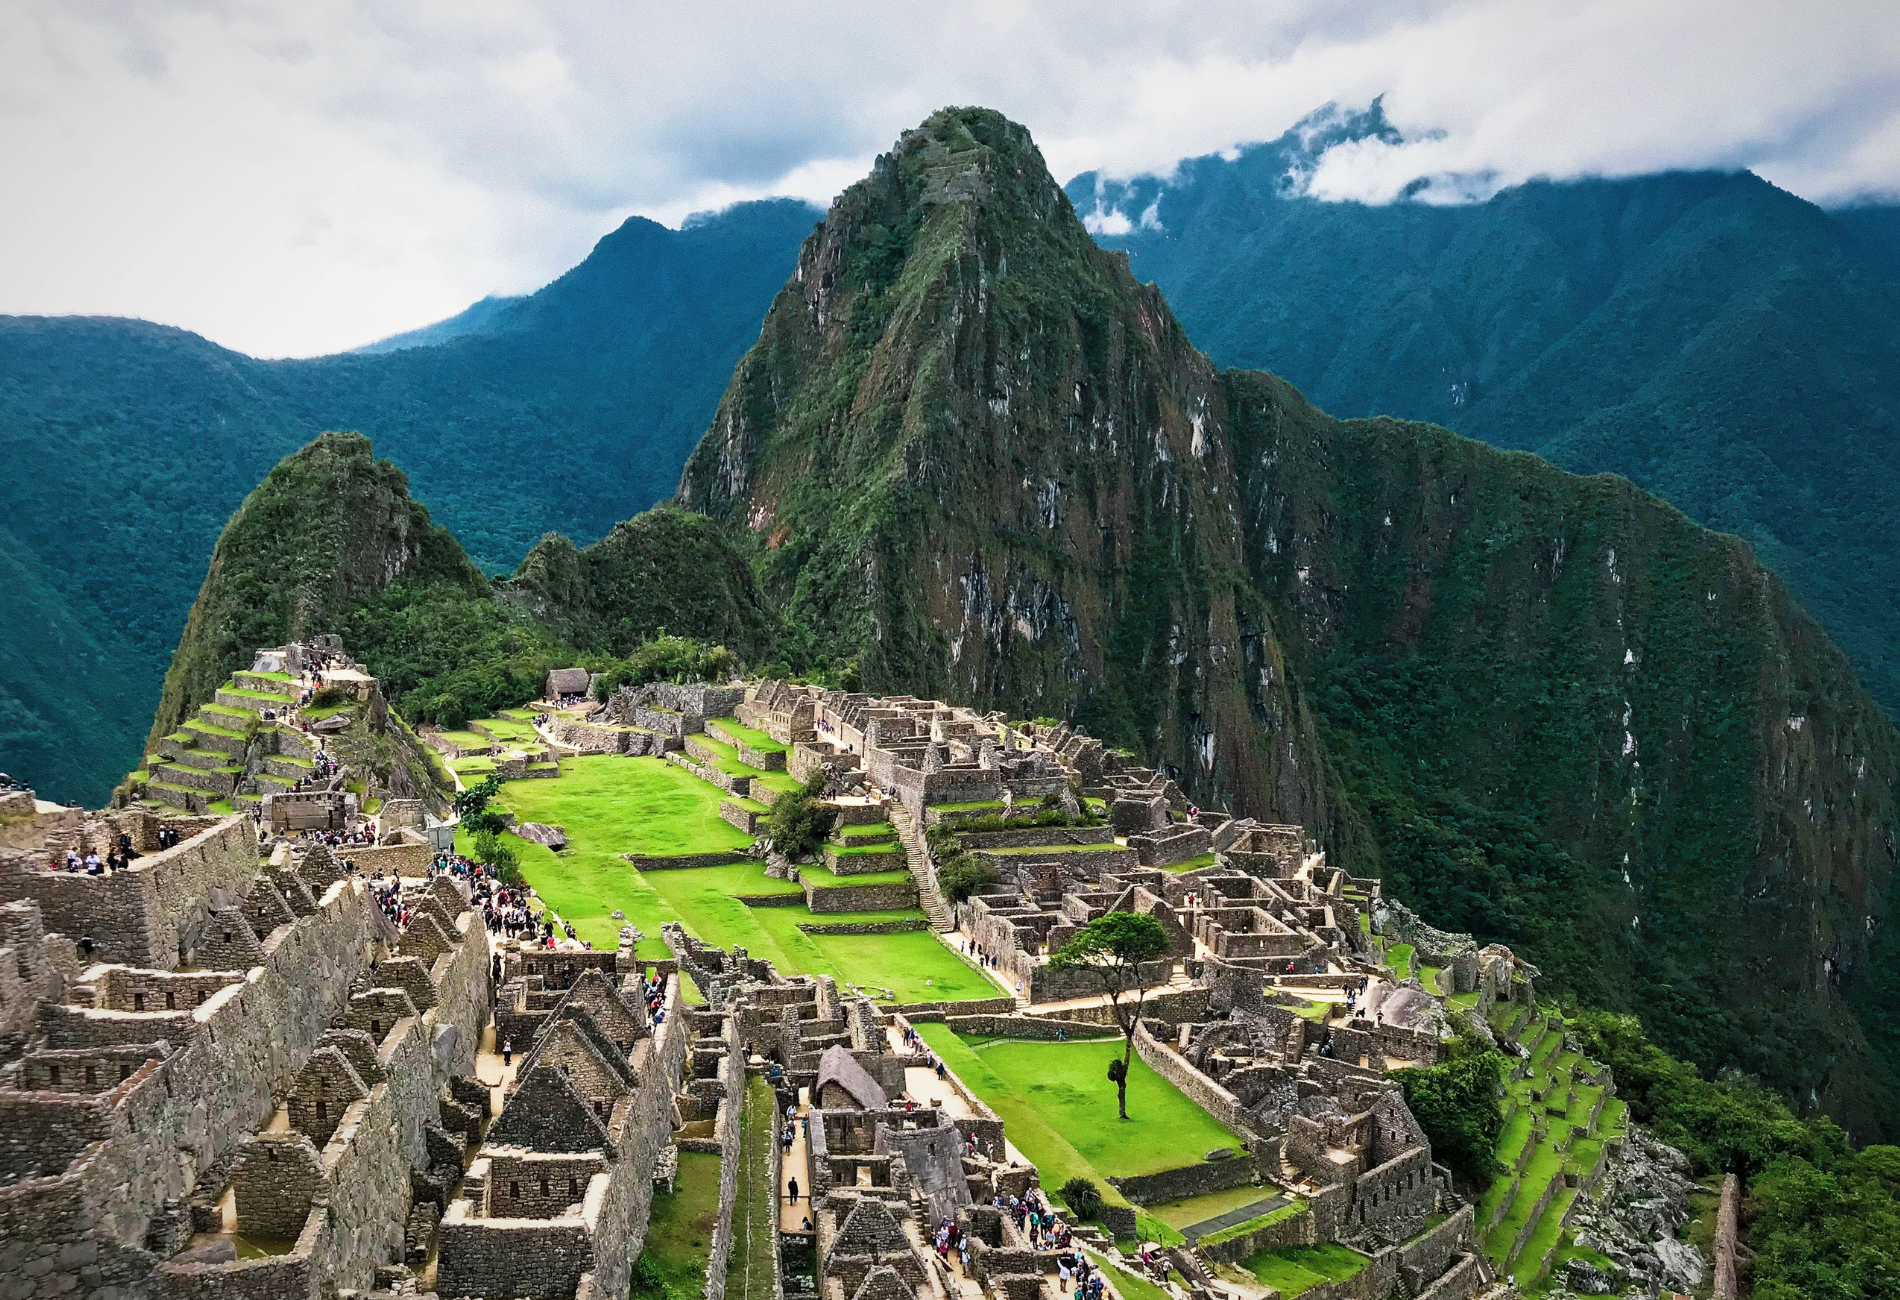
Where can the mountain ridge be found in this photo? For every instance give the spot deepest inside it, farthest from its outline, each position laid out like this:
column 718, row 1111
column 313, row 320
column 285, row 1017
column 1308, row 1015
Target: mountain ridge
column 1555, row 708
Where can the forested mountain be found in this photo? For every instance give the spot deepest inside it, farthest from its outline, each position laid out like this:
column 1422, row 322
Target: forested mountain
column 971, row 449
column 129, row 444
column 1721, row 342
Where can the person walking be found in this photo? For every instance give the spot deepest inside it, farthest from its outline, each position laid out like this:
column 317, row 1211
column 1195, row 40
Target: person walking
column 507, row 1051
column 791, row 1189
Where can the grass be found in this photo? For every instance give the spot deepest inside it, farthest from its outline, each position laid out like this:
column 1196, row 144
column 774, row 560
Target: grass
column 755, row 1209
column 1294, row 1270
column 974, row 805
column 1400, row 957
column 1058, row 1107
column 467, row 739
column 611, row 804
column 887, row 849
column 753, row 739
column 680, row 1229
column 864, row 830
column 1192, row 864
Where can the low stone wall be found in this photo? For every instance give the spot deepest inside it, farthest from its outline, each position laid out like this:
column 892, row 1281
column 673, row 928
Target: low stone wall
column 741, row 819
column 391, row 859
column 861, row 927
column 1038, row 837
column 1189, row 1180
column 1299, row 1229
column 772, row 900
column 892, row 897
column 935, row 1012
column 681, row 861
column 1041, row 1029
column 864, row 864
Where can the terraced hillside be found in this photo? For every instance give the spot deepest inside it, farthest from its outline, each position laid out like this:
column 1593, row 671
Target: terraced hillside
column 1562, row 1118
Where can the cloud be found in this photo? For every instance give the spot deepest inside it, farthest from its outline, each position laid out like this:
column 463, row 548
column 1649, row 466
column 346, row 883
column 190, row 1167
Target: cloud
column 290, row 179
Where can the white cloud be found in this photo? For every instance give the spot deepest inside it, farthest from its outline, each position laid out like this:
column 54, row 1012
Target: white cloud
column 294, row 178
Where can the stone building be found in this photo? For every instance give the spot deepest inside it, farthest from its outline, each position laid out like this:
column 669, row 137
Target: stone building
column 205, row 1050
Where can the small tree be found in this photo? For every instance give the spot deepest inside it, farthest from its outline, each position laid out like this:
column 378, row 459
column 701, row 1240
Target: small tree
column 798, row 822
column 1115, row 946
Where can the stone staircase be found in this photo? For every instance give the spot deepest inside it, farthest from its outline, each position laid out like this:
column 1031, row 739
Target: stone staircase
column 922, row 869
column 198, row 767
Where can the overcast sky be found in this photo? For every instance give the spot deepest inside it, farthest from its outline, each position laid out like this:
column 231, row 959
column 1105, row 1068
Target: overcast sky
column 301, row 176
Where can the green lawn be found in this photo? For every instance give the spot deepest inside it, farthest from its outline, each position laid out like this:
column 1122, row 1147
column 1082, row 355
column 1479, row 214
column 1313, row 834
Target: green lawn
column 1059, row 1108
column 1191, row 864
column 1294, row 1270
column 1400, row 956
column 680, row 1231
column 823, row 878
column 611, row 805
column 753, row 739
column 749, row 1271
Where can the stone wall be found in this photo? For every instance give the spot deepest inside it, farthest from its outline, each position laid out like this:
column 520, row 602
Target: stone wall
column 1031, row 1028
column 1189, row 1180
column 1197, row 1087
column 892, row 897
column 391, row 860
column 726, row 1134
column 861, row 927
column 155, row 1134
column 146, row 915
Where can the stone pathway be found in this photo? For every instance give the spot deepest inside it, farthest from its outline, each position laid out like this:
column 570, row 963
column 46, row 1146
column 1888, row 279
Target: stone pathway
column 796, row 1164
column 1210, row 1226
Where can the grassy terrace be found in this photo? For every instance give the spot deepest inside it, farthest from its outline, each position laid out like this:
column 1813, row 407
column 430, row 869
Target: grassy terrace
column 1058, row 1108
column 865, row 830
column 1192, row 864
column 612, row 805
column 820, row 878
column 679, row 1234
column 726, row 758
column 1558, row 1132
column 752, row 739
column 1295, row 1270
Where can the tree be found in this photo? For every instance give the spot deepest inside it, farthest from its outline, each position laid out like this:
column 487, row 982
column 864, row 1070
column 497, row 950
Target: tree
column 1115, row 946
column 1460, row 1106
column 798, row 822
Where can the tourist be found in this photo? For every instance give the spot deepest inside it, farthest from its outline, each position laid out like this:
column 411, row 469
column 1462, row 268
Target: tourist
column 508, row 1052
column 791, row 1187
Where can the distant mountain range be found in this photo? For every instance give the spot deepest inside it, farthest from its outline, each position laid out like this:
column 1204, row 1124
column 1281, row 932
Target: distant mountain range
column 1723, row 343
column 130, row 444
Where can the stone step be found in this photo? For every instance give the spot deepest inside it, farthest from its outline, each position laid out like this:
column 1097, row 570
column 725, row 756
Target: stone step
column 250, row 701
column 263, row 684
column 218, row 785
column 177, row 796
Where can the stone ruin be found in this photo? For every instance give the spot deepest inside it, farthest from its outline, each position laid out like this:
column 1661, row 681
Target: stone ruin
column 222, row 1076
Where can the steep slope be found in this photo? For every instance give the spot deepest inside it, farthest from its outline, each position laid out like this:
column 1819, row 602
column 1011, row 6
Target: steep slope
column 328, row 528
column 331, row 541
column 662, row 572
column 131, row 443
column 1717, row 340
column 971, row 450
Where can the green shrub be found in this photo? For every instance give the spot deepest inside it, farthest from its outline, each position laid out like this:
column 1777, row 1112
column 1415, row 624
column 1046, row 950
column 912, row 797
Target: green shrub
column 1460, row 1105
column 1083, row 1198
column 963, row 875
column 799, row 823
column 329, row 697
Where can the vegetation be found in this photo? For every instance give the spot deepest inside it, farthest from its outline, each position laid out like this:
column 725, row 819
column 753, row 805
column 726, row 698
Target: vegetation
column 1083, row 1198
column 799, row 823
column 1822, row 1219
column 1459, row 1104
column 672, row 1262
column 1049, row 1096
column 749, row 1268
column 1115, row 947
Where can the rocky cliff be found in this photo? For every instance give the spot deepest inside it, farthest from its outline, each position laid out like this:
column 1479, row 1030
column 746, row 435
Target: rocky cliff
column 970, row 450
